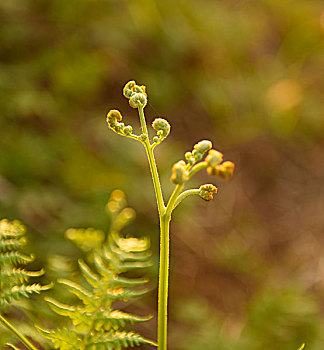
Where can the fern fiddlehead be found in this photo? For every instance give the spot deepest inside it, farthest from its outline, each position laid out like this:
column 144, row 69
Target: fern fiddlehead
column 182, row 171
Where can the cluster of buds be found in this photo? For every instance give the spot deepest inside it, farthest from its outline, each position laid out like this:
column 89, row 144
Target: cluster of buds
column 207, row 191
column 182, row 171
column 114, row 119
column 136, row 94
column 216, row 167
column 198, row 152
column 162, row 128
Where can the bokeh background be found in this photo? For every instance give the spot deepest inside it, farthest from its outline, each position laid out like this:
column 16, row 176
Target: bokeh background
column 247, row 269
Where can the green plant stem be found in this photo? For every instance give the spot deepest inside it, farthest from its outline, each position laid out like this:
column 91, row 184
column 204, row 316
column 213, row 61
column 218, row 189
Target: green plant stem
column 164, row 241
column 23, row 339
column 197, row 167
column 142, row 120
column 163, row 282
column 152, row 163
column 185, row 194
column 173, row 199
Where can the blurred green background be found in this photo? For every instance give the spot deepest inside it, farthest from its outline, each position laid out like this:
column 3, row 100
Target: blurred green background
column 246, row 269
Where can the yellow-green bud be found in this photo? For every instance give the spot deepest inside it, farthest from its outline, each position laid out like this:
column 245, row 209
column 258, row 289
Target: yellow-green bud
column 207, row 191
column 140, row 89
column 188, row 155
column 213, row 159
column 113, row 117
column 197, row 155
column 191, row 161
column 179, row 173
column 138, row 100
column 142, row 137
column 226, row 170
column 128, row 130
column 119, row 127
column 128, row 89
column 162, row 127
column 203, row 146
column 156, row 139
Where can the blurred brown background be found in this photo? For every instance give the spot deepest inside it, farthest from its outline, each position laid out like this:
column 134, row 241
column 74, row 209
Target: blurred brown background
column 246, row 269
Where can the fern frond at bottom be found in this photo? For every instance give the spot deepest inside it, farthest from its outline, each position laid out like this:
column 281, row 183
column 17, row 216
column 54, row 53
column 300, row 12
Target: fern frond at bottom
column 94, row 323
column 65, row 339
column 115, row 340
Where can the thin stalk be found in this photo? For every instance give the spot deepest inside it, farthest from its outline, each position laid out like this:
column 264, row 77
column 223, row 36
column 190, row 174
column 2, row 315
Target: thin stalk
column 22, row 338
column 184, row 195
column 142, row 119
column 152, row 163
column 173, row 199
column 163, row 283
column 197, row 167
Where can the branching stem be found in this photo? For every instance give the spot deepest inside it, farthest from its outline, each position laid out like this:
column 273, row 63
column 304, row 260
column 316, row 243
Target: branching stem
column 152, row 163
column 165, row 217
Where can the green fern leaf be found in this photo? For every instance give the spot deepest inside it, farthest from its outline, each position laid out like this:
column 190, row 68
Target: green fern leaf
column 104, row 271
column 15, row 258
column 17, row 292
column 13, row 278
column 84, row 295
column 117, row 281
column 11, row 244
column 19, row 275
column 12, row 229
column 89, row 275
column 78, row 316
column 63, row 339
column 115, row 340
column 116, row 319
column 95, row 323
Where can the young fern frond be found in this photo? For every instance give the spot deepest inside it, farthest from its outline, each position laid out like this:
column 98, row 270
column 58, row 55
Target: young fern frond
column 94, row 323
column 182, row 171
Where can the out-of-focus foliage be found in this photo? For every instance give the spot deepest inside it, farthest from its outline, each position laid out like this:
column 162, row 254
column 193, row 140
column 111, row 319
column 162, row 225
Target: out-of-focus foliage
column 14, row 280
column 246, row 74
column 95, row 322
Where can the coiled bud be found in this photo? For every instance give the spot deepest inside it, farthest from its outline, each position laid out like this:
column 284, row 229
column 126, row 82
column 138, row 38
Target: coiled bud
column 216, row 167
column 128, row 130
column 162, row 127
column 179, row 173
column 140, row 89
column 213, row 159
column 203, row 146
column 128, row 89
column 113, row 117
column 136, row 94
column 207, row 191
column 138, row 99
